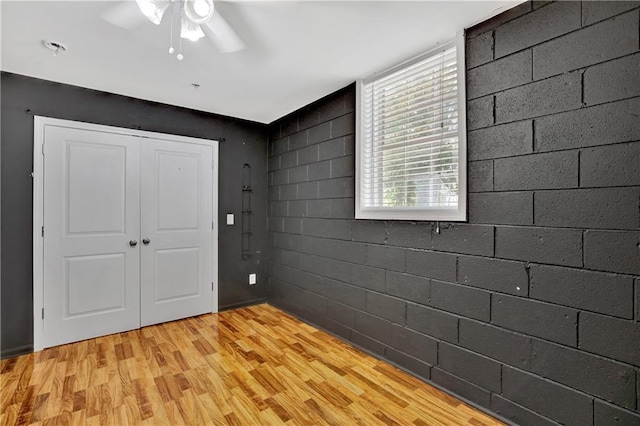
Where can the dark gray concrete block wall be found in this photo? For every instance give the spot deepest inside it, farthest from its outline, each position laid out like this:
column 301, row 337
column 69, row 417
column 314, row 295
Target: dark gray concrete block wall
column 532, row 309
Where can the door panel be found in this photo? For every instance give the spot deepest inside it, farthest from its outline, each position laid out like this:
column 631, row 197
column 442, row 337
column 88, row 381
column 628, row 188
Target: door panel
column 176, row 207
column 92, row 211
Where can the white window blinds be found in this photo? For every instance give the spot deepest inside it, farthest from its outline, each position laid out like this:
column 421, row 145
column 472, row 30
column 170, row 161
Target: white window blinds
column 409, row 144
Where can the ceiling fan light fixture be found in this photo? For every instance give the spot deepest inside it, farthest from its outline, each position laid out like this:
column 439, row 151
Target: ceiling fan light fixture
column 191, row 31
column 198, row 11
column 153, row 9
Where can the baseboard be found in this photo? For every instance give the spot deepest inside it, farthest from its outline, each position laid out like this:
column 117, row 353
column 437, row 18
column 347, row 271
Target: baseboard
column 20, row 350
column 242, row 304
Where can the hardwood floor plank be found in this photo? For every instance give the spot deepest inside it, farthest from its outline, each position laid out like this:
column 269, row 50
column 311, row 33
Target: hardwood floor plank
column 251, row 366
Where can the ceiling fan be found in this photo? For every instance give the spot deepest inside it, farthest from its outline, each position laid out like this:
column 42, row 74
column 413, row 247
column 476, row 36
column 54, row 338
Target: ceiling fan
column 197, row 19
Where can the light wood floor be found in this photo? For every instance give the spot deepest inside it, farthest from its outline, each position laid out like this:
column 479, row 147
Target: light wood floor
column 250, row 366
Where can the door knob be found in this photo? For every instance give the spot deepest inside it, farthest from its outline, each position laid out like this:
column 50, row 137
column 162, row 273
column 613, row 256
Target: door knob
column 133, row 243
column 146, row 241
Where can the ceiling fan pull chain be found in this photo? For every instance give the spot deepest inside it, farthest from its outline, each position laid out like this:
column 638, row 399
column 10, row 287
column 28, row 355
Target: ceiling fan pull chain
column 180, row 56
column 171, row 49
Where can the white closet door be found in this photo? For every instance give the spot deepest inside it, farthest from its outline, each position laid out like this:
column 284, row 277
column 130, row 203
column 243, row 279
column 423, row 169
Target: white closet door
column 176, row 210
column 92, row 218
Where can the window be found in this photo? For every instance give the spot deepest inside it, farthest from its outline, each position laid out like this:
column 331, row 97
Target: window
column 411, row 139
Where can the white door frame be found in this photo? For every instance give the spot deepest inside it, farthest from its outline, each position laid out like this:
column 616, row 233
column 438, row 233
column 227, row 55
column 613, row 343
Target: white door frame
column 38, row 205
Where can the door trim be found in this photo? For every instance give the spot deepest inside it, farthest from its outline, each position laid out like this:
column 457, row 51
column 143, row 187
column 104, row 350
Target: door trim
column 40, row 123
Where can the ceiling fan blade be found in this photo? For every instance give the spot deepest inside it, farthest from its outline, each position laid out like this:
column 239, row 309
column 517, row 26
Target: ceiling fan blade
column 125, row 15
column 222, row 35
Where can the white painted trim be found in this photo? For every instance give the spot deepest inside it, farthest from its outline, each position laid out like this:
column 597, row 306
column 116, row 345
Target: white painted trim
column 40, row 123
column 420, row 214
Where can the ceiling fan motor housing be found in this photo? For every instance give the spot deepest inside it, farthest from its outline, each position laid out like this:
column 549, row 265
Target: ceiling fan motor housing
column 198, row 11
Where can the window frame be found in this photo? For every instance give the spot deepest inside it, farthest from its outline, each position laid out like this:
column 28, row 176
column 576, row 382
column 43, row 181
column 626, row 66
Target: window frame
column 419, row 213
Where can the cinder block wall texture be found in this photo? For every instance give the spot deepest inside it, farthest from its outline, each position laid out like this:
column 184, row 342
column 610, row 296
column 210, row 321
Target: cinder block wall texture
column 532, row 308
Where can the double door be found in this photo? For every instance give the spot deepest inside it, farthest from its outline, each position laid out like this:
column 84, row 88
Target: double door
column 127, row 234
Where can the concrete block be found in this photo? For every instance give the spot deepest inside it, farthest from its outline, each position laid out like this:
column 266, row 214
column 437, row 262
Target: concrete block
column 517, row 413
column 606, row 208
column 506, row 208
column 320, row 209
column 511, row 71
column 324, row 267
column 297, row 208
column 342, row 208
column 557, row 402
column 367, row 343
column 599, row 125
column 336, row 188
column 607, row 414
column 505, row 140
column 368, row 277
column 543, row 245
column 408, row 287
column 595, row 11
column 280, row 177
column 292, row 225
column 374, row 327
column 610, row 337
column 415, row 344
column 345, row 293
column 319, row 133
column 333, row 148
column 387, row 307
column 615, row 165
column 430, row 264
column 307, row 190
column 597, row 376
column 612, row 81
column 588, row 290
column 327, row 228
column 339, row 249
column 289, row 159
column 533, row 28
column 342, row 167
column 461, row 387
column 278, row 208
column 551, row 322
column 409, row 363
column 479, row 50
column 480, row 113
column 298, row 174
column 297, row 140
column 537, row 171
column 274, row 163
column 369, row 231
column 615, row 251
column 432, row 322
column 470, row 366
column 409, row 234
column 550, row 96
column 308, row 155
column 344, row 125
column 463, row 238
column 386, row 257
column 331, row 108
column 341, row 314
column 502, row 345
column 320, row 170
column 503, row 276
column 480, row 176
column 280, row 146
column 607, row 40
column 288, row 192
column 465, row 301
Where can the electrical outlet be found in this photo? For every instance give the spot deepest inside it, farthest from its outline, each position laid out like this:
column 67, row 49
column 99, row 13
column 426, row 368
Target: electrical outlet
column 252, row 279
column 230, row 219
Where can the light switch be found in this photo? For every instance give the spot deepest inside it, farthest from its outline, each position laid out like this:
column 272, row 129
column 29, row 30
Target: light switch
column 252, row 279
column 230, row 219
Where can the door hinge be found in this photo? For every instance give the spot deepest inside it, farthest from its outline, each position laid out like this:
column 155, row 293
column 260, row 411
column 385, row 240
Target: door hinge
column 42, row 149
column 211, row 286
column 42, row 313
column 43, row 231
column 212, row 226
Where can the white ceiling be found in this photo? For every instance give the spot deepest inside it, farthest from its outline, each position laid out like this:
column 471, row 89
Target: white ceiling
column 298, row 51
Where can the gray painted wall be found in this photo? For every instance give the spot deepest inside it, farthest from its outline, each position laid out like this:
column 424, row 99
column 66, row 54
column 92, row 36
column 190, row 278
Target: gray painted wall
column 246, row 142
column 532, row 309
